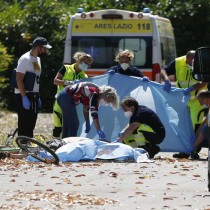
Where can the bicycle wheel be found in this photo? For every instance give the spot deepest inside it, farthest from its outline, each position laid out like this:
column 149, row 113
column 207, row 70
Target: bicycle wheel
column 37, row 149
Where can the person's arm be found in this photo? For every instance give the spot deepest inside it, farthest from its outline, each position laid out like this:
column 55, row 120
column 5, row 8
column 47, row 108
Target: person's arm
column 168, row 72
column 194, row 87
column 20, row 74
column 94, row 114
column 129, row 130
column 163, row 75
column 87, row 119
column 20, row 83
column 86, row 113
column 167, row 82
column 199, row 85
column 94, row 110
column 96, row 123
column 113, row 70
column 58, row 80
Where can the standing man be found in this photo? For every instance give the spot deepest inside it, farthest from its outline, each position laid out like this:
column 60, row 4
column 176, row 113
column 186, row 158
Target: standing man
column 181, row 70
column 27, row 99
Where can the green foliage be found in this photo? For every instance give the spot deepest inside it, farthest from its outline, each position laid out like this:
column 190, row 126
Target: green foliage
column 22, row 21
column 5, row 58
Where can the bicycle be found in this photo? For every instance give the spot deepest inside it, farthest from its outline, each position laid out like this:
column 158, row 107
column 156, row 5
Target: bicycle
column 27, row 146
column 37, row 149
column 7, row 146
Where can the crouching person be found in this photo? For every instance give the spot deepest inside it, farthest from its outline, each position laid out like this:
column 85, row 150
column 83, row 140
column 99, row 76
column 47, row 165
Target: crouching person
column 145, row 129
column 92, row 97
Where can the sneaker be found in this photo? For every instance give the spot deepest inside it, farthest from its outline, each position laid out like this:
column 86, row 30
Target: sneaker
column 194, row 156
column 152, row 149
column 181, row 155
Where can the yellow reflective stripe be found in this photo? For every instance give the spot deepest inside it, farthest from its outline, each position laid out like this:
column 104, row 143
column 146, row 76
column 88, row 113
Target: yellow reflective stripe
column 144, row 127
column 138, row 139
column 185, row 83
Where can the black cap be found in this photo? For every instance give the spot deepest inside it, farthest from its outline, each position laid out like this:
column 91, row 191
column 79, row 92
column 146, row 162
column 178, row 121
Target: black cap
column 41, row 41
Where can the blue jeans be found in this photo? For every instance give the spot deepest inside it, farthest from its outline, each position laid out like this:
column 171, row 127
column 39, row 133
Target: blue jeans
column 69, row 111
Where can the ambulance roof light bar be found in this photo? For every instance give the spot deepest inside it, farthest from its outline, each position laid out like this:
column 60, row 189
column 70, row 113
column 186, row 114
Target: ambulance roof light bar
column 80, row 10
column 146, row 10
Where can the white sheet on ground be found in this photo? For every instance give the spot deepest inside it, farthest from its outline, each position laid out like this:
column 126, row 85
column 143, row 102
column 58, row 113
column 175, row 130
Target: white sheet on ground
column 89, row 149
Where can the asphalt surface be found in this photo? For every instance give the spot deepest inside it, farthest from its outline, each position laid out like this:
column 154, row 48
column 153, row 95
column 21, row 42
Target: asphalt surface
column 167, row 183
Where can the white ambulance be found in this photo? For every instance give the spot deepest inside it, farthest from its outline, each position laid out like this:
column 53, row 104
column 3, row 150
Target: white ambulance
column 103, row 33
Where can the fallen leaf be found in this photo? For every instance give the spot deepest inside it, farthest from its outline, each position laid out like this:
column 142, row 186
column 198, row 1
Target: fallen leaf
column 113, row 174
column 139, row 182
column 79, row 175
column 54, row 177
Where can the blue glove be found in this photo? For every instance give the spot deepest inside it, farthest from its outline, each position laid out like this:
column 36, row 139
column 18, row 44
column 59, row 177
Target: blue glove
column 39, row 103
column 187, row 91
column 112, row 72
column 145, row 79
column 26, row 102
column 101, row 134
column 167, row 86
column 87, row 126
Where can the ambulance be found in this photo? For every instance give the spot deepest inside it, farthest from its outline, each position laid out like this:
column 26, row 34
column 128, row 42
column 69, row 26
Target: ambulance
column 103, row 33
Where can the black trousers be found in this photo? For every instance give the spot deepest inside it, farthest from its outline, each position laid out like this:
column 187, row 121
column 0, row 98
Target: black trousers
column 27, row 118
column 155, row 138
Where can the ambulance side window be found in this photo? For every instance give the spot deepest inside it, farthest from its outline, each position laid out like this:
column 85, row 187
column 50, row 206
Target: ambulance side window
column 138, row 46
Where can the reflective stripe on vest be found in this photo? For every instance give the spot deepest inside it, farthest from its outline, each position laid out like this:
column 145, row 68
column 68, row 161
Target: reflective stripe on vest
column 135, row 140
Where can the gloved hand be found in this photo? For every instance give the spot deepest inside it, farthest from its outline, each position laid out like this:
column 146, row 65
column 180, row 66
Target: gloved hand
column 87, row 126
column 145, row 79
column 39, row 103
column 167, row 86
column 111, row 71
column 187, row 91
column 101, row 134
column 26, row 102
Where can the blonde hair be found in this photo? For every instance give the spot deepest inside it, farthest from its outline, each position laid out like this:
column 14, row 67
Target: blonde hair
column 81, row 55
column 109, row 91
column 125, row 53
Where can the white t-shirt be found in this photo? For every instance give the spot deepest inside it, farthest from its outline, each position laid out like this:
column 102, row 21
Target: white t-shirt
column 27, row 62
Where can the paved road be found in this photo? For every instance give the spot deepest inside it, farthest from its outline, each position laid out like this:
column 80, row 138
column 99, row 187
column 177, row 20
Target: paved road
column 165, row 184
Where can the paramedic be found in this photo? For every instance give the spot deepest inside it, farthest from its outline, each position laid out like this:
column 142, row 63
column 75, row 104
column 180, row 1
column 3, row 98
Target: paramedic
column 181, row 69
column 68, row 75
